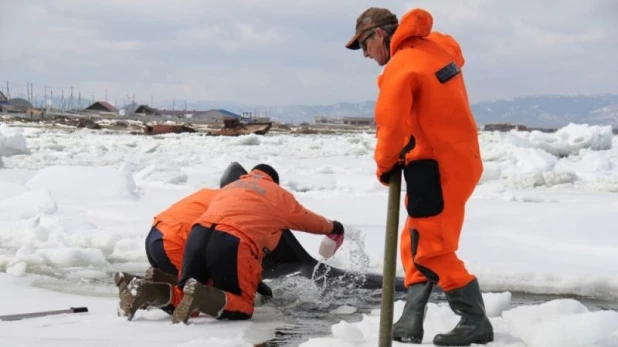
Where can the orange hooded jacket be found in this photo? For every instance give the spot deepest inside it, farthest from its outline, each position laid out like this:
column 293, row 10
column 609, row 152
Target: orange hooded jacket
column 256, row 210
column 176, row 221
column 413, row 102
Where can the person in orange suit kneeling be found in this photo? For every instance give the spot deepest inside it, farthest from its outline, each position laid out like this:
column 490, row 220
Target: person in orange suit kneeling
column 166, row 241
column 164, row 245
column 222, row 264
column 425, row 126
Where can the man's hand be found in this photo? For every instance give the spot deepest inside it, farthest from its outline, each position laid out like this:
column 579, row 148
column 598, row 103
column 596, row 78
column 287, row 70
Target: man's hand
column 385, row 177
column 337, row 228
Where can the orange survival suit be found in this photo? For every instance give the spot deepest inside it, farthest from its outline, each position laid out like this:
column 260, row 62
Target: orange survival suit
column 243, row 222
column 166, row 241
column 424, row 123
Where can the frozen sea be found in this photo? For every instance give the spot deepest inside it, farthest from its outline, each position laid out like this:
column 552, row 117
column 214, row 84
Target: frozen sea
column 76, row 205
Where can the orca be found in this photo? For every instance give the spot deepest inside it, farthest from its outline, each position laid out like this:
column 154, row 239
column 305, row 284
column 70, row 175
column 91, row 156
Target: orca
column 290, row 259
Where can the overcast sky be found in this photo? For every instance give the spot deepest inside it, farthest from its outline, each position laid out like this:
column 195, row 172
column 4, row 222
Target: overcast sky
column 292, row 52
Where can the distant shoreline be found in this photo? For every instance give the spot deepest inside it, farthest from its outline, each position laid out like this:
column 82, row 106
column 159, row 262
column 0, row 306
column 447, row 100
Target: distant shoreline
column 136, row 124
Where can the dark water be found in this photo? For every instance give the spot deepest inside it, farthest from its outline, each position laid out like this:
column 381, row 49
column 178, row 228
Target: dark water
column 312, row 318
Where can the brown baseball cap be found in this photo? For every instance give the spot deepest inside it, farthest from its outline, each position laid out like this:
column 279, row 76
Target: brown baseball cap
column 373, row 17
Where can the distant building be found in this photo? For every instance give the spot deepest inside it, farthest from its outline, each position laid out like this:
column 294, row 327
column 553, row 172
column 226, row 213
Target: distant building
column 16, row 105
column 359, row 121
column 101, row 106
column 215, row 116
column 345, row 121
column 323, row 120
column 19, row 104
column 4, row 103
column 139, row 110
column 146, row 110
column 176, row 113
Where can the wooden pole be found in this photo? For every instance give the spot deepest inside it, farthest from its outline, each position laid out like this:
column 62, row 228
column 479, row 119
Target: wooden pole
column 390, row 258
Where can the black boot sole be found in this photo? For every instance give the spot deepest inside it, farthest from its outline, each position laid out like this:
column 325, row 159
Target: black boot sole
column 414, row 339
column 139, row 295
column 187, row 304
column 201, row 298
column 132, row 298
column 480, row 340
column 122, row 280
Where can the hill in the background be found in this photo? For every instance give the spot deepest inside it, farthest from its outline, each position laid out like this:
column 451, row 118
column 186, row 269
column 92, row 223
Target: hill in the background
column 549, row 111
column 534, row 111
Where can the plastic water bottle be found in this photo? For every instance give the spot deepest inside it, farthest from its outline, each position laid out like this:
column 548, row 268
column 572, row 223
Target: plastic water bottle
column 330, row 244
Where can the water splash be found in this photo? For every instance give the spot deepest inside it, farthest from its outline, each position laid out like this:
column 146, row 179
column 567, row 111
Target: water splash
column 319, row 294
column 317, row 278
column 292, row 294
column 351, row 256
column 353, row 249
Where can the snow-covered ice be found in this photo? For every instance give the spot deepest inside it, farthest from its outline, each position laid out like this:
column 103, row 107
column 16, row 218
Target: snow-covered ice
column 76, row 206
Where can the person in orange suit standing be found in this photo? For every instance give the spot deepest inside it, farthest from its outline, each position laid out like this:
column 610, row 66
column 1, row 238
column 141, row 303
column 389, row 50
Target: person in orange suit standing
column 425, row 126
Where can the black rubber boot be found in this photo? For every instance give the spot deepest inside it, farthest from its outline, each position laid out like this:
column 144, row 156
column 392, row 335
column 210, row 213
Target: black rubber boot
column 474, row 326
column 140, row 294
column 198, row 297
column 409, row 327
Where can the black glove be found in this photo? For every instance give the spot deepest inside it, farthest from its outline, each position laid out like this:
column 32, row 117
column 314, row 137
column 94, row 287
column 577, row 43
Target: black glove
column 385, row 178
column 337, row 228
column 264, row 290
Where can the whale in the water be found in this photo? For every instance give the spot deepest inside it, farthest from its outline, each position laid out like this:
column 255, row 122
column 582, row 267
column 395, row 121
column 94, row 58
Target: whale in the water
column 289, row 258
